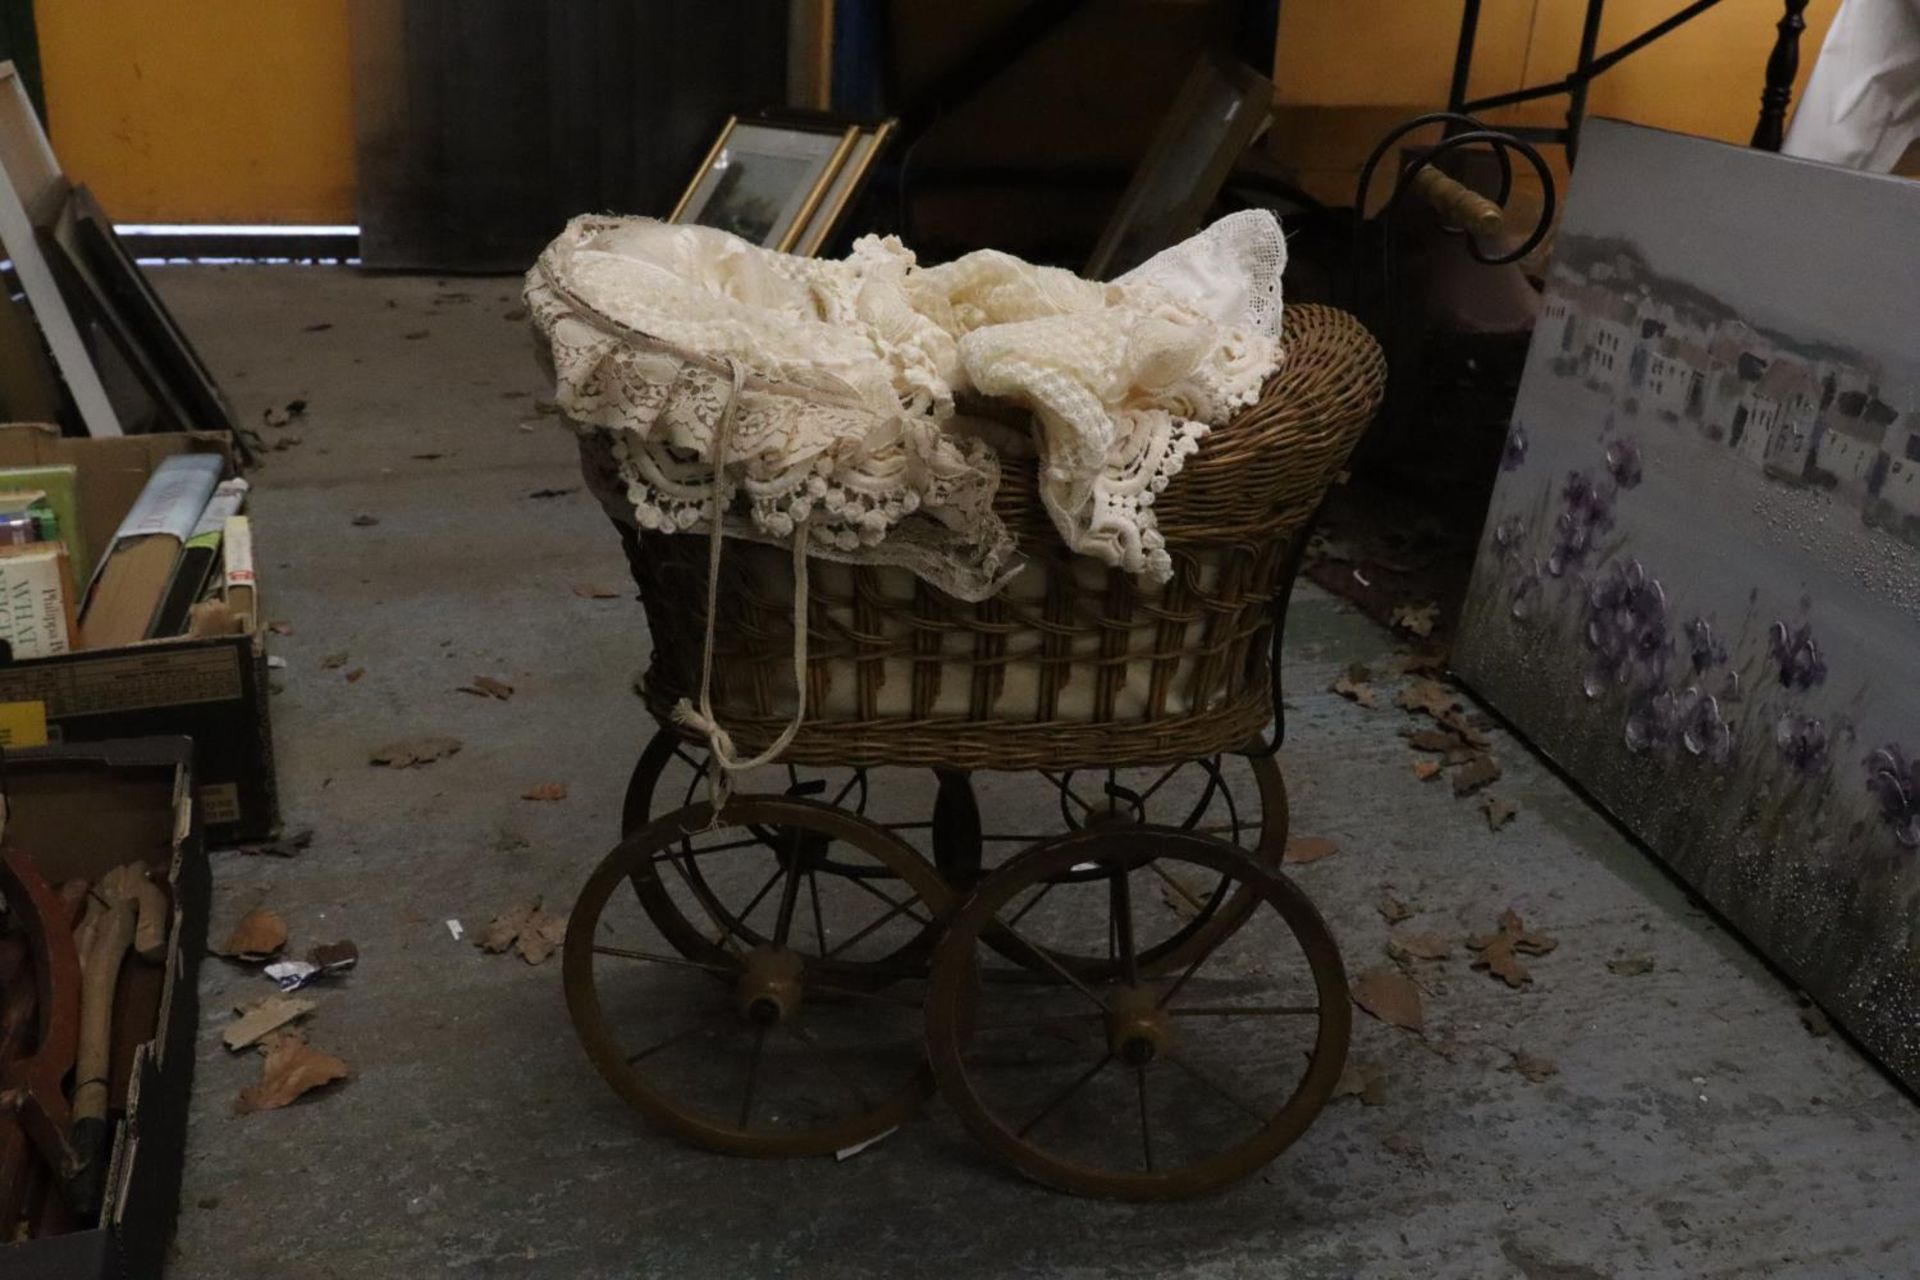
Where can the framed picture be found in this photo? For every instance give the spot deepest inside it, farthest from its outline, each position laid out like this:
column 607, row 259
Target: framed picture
column 763, row 178
column 1698, row 591
column 1221, row 107
column 844, row 189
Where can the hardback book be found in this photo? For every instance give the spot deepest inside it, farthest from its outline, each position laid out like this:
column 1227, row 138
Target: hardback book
column 236, row 553
column 36, row 601
column 197, row 559
column 61, row 485
column 132, row 578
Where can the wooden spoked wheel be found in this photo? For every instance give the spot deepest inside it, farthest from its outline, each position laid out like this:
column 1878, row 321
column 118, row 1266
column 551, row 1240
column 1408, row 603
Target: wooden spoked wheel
column 803, row 1038
column 691, row 907
column 1179, row 912
column 1132, row 1086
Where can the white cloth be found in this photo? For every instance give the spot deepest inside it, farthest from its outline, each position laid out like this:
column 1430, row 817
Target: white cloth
column 1122, row 380
column 1861, row 107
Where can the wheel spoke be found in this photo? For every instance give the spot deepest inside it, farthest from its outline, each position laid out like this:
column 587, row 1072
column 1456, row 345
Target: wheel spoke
column 1161, row 781
column 764, row 890
column 673, row 1039
column 1060, row 1099
column 677, row 855
column 1032, row 902
column 1146, row 1125
column 1166, row 997
column 819, row 922
column 1053, row 964
column 1066, row 789
column 1120, row 906
column 1180, row 1061
column 1244, row 1010
column 892, row 912
column 789, row 892
column 1178, row 885
column 843, row 1078
column 905, row 908
column 852, row 777
column 628, row 953
column 753, row 1074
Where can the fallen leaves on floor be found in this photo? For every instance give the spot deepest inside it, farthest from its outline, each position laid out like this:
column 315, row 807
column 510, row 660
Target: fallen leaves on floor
column 426, row 457
column 320, row 326
column 1631, row 966
column 1426, row 770
column 365, row 521
column 293, row 1068
column 1500, row 952
column 593, row 591
column 1416, row 944
column 1392, row 910
column 260, row 1017
column 1305, row 849
column 1534, row 1068
column 280, row 415
column 1481, row 771
column 488, row 687
column 1815, row 1020
column 554, row 493
column 295, row 842
column 257, row 938
column 333, row 661
column 280, row 628
column 334, row 957
column 353, row 676
column 1499, row 810
column 1430, row 696
column 1364, row 1080
column 410, row 752
column 1353, row 685
column 535, row 934
column 1415, row 619
column 546, row 791
column 1390, row 996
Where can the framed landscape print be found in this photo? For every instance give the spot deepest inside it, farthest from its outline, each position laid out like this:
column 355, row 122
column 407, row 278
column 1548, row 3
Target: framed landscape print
column 1698, row 589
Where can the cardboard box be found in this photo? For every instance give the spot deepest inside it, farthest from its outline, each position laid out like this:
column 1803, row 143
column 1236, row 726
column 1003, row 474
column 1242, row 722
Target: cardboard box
column 79, row 811
column 213, row 690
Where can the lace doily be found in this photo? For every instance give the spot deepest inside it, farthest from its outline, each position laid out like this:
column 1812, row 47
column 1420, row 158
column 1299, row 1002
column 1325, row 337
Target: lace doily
column 852, row 367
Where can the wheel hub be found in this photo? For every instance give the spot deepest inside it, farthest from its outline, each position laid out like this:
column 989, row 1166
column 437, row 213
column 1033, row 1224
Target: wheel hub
column 1137, row 1031
column 768, row 989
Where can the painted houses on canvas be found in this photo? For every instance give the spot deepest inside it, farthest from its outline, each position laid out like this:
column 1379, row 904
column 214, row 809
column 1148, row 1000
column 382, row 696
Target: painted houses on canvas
column 1661, row 348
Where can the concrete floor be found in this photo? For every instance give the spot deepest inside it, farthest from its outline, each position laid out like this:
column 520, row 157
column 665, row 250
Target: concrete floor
column 1694, row 1128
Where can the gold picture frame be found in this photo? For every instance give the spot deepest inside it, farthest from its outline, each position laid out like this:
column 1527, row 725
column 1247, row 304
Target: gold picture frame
column 764, row 177
column 844, row 187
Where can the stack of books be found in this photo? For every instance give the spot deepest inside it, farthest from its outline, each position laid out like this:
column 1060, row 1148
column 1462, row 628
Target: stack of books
column 183, row 552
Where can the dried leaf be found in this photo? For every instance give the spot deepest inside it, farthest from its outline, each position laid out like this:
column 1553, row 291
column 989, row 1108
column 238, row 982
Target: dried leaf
column 1631, row 966
column 1498, row 809
column 554, row 493
column 1418, row 945
column 256, row 1020
column 1356, row 691
column 1419, row 664
column 1392, row 910
column 1815, row 1020
column 280, row 628
column 1469, row 732
column 1500, row 952
column 426, row 457
column 1426, row 770
column 1534, row 1068
column 541, row 936
column 318, row 327
column 488, row 687
column 1305, row 849
column 1478, row 772
column 591, row 591
column 1418, row 619
column 505, row 927
column 333, row 661
column 546, row 791
column 1364, row 1080
column 410, row 752
column 365, row 522
column 293, row 1067
column 1435, row 740
column 353, row 676
column 257, row 938
column 1430, row 696
column 1390, row 996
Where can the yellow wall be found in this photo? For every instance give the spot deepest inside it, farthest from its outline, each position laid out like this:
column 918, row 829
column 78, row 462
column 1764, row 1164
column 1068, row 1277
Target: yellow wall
column 241, row 110
column 203, row 110
column 1703, row 79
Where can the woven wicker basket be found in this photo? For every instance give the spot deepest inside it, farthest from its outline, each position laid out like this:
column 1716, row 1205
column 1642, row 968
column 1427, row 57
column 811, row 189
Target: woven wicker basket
column 1074, row 664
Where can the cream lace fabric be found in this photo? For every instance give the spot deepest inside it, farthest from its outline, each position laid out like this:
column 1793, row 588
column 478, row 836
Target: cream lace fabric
column 850, row 369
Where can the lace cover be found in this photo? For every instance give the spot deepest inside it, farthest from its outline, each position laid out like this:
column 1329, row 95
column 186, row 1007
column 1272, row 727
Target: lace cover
column 851, row 368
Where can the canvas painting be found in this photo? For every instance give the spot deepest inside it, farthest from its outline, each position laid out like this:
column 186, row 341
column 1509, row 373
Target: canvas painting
column 1698, row 589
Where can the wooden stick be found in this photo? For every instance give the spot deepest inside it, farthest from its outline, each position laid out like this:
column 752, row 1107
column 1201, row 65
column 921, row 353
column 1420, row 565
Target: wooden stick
column 1459, row 206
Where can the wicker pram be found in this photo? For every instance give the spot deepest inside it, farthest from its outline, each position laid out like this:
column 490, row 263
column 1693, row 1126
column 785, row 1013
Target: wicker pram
column 1074, row 667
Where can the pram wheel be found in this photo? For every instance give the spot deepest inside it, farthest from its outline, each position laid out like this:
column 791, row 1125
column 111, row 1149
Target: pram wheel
column 1123, row 1084
column 798, row 1035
